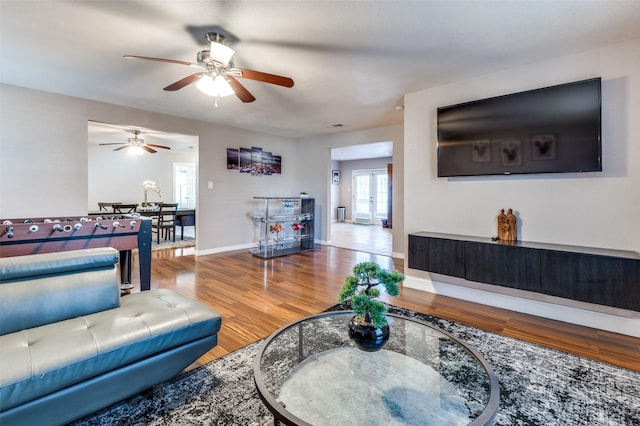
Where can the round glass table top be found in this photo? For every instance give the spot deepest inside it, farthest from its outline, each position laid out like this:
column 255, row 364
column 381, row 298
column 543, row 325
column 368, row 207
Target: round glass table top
column 310, row 373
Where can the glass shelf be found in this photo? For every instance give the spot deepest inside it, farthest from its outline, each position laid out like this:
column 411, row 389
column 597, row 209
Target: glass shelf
column 287, row 212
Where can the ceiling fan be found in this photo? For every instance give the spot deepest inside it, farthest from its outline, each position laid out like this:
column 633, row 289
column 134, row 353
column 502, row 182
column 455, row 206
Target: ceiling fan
column 218, row 76
column 137, row 145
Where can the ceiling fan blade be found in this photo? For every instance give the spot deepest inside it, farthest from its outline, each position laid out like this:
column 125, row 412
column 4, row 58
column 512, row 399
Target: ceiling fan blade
column 113, row 143
column 171, row 61
column 151, row 150
column 122, row 147
column 265, row 77
column 184, row 82
column 241, row 92
column 158, row 146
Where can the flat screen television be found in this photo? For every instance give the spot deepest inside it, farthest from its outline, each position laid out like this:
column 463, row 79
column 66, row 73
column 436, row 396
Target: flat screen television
column 555, row 129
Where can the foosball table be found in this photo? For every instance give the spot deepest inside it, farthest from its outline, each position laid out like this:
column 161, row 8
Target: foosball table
column 124, row 232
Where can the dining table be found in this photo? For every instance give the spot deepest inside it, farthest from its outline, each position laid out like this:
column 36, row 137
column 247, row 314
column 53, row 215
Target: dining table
column 184, row 216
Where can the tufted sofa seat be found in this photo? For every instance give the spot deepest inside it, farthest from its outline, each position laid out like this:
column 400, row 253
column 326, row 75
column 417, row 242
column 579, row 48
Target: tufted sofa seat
column 70, row 345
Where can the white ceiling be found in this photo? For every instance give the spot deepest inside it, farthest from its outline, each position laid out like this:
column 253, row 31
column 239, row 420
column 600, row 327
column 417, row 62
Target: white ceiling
column 363, row 151
column 352, row 61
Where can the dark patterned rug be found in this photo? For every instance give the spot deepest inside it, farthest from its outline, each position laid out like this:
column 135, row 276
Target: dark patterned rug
column 538, row 386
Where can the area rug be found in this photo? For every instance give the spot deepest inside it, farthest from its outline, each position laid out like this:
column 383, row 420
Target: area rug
column 538, row 386
column 168, row 244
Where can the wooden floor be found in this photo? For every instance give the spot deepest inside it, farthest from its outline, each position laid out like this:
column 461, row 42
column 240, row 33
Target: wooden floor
column 369, row 238
column 256, row 297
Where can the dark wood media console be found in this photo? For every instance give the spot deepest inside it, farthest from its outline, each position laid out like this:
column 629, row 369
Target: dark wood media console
column 600, row 276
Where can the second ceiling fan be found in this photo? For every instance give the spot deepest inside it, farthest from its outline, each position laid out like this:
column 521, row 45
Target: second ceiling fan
column 218, row 76
column 136, row 144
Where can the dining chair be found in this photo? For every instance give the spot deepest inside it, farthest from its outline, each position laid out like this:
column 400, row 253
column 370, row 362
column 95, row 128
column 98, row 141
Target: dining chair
column 104, row 206
column 125, row 208
column 165, row 224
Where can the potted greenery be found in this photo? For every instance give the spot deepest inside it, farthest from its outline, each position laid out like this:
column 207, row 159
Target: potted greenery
column 368, row 328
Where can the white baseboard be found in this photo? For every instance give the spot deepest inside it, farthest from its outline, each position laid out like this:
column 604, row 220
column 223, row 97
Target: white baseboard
column 627, row 322
column 216, row 250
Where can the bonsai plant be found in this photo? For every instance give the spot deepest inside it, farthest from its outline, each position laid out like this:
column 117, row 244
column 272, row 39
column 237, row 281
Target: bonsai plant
column 362, row 287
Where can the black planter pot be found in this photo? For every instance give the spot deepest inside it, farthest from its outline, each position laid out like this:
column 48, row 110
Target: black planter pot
column 368, row 337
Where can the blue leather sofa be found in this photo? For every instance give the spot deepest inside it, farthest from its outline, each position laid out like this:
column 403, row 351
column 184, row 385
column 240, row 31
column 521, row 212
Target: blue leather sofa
column 70, row 345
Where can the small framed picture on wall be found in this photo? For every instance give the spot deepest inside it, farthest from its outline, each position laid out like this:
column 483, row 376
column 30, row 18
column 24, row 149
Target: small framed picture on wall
column 481, row 151
column 544, row 147
column 511, row 153
column 335, row 177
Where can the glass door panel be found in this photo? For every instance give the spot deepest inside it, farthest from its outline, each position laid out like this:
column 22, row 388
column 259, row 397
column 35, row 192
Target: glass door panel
column 362, row 198
column 370, row 196
column 381, row 196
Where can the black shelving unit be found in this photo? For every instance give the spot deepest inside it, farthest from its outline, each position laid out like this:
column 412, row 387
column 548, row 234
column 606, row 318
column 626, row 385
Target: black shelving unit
column 595, row 275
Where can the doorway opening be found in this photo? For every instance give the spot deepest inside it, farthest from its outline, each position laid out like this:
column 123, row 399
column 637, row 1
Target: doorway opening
column 184, row 185
column 363, row 196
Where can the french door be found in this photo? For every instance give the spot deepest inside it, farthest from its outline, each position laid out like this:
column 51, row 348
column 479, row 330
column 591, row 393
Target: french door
column 370, row 196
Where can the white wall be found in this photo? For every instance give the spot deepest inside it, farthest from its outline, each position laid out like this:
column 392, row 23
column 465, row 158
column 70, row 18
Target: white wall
column 590, row 209
column 44, row 165
column 44, row 172
column 43, row 154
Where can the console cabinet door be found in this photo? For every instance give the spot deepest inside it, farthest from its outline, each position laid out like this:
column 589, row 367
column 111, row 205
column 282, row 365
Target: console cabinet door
column 441, row 256
column 508, row 266
column 604, row 280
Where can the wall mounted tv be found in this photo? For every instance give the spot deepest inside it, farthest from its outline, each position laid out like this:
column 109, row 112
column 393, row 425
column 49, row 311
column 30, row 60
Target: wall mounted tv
column 550, row 130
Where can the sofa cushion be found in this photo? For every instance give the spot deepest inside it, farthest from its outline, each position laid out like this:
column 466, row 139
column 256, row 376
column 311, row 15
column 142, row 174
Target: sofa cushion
column 40, row 360
column 20, row 268
column 45, row 288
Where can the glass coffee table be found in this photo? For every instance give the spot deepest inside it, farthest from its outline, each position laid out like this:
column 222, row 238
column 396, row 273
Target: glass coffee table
column 310, row 373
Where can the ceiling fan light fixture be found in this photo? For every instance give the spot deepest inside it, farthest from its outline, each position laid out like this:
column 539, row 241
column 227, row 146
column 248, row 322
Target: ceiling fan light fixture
column 218, row 87
column 221, row 53
column 135, row 144
column 136, row 150
column 135, row 141
column 218, row 73
column 218, row 51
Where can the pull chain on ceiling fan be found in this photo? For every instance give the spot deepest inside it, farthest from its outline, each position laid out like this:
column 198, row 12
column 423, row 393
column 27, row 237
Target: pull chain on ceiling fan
column 218, row 77
column 137, row 145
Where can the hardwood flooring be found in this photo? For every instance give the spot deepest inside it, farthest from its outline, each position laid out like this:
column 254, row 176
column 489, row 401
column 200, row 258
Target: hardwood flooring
column 368, row 238
column 256, row 297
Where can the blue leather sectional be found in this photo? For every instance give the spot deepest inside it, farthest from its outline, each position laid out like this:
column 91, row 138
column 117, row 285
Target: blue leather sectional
column 70, row 345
